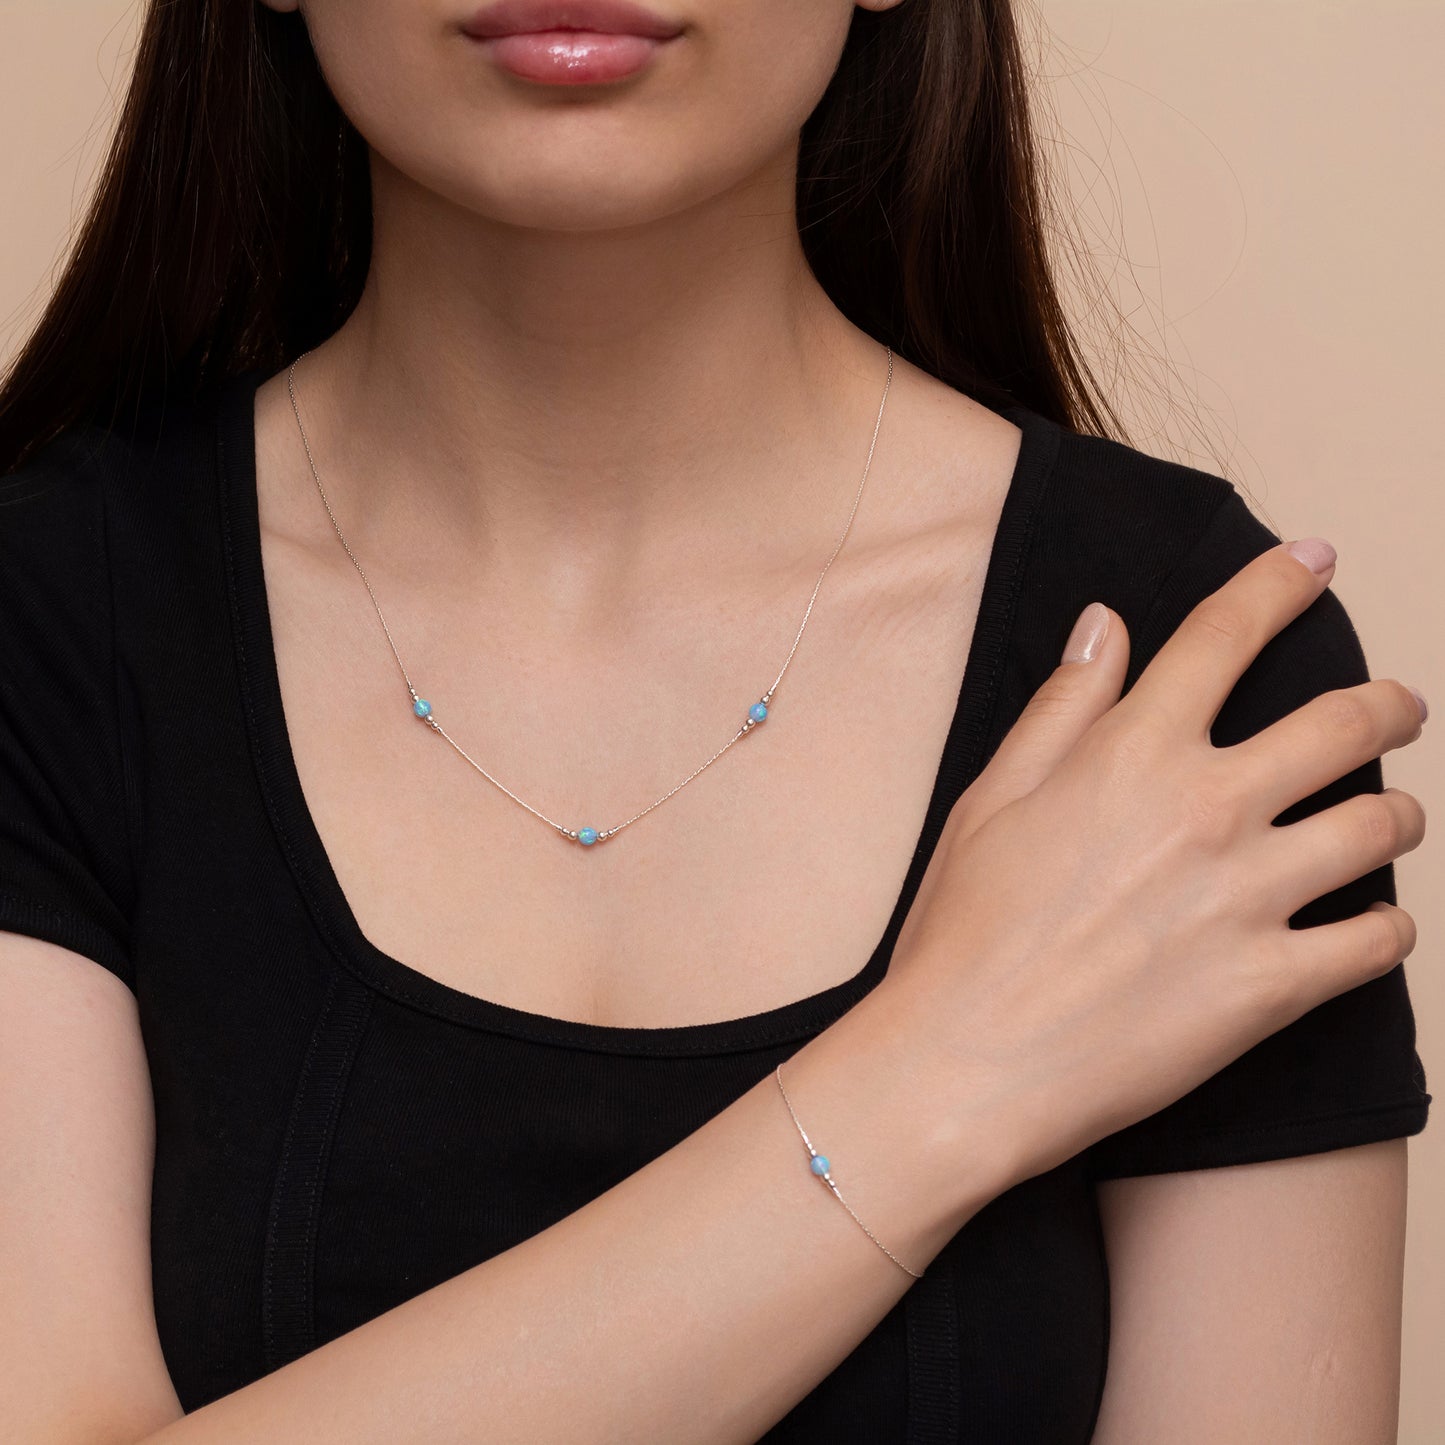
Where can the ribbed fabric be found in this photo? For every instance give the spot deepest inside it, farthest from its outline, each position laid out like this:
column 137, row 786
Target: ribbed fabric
column 288, row 1266
column 337, row 1131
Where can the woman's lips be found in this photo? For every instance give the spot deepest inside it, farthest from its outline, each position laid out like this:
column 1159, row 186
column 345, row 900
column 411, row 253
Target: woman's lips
column 572, row 57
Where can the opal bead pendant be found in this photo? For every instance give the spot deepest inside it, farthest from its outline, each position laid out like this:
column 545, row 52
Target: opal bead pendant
column 588, row 837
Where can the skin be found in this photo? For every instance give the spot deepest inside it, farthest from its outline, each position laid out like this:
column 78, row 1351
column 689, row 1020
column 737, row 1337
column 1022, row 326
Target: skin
column 593, row 432
column 1282, row 1278
column 594, row 411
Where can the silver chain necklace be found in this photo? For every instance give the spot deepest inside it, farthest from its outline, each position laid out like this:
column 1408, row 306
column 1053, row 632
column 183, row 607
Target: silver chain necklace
column 422, row 709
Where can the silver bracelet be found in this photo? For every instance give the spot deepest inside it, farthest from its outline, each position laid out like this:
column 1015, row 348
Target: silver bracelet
column 823, row 1169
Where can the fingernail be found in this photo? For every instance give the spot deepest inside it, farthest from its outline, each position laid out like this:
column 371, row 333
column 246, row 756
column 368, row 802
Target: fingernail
column 1420, row 698
column 1088, row 633
column 1314, row 552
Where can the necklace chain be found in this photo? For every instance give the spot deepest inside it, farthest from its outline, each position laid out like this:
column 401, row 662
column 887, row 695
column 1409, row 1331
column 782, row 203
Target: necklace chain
column 422, row 709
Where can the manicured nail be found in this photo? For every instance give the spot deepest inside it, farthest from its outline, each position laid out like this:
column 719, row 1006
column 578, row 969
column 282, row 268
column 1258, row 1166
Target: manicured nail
column 1088, row 633
column 1314, row 552
column 1420, row 698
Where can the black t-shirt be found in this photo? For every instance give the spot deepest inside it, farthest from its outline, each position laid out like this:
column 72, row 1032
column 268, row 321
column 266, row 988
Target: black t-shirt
column 337, row 1132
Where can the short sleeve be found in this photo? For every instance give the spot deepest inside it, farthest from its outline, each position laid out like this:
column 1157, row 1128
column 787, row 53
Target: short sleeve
column 1347, row 1072
column 65, row 873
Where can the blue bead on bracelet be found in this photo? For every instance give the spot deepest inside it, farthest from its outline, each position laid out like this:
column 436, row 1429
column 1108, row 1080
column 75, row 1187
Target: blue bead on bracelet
column 822, row 1167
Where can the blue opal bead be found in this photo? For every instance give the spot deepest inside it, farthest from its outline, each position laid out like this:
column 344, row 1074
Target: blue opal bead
column 758, row 711
column 421, row 707
column 820, row 1164
column 587, row 835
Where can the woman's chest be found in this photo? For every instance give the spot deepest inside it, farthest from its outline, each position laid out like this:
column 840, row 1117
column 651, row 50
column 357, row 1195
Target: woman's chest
column 747, row 871
column 763, row 868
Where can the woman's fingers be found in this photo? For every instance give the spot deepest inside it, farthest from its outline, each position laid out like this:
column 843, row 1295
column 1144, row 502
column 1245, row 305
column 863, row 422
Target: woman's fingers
column 1341, row 843
column 1332, row 958
column 1084, row 686
column 1189, row 678
column 1327, row 737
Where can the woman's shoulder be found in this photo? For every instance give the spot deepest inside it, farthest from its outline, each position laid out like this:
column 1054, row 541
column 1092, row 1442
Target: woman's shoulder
column 1130, row 519
column 66, row 872
column 54, row 550
column 1144, row 534
column 94, row 511
column 89, row 462
column 65, row 509
column 56, row 495
column 1150, row 538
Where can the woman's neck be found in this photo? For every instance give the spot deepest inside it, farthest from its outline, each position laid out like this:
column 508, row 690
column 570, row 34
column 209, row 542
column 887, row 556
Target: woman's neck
column 573, row 408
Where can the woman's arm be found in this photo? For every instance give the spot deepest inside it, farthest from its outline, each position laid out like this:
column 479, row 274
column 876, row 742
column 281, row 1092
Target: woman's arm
column 1257, row 1303
column 699, row 1299
column 80, row 1363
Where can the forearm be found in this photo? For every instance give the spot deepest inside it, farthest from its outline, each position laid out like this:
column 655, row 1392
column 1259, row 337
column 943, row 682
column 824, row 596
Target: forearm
column 699, row 1299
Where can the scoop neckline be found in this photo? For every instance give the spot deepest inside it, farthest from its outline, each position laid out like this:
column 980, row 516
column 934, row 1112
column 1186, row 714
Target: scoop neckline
column 285, row 801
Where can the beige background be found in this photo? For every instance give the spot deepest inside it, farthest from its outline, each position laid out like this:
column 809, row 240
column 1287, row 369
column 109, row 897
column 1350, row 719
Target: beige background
column 1259, row 184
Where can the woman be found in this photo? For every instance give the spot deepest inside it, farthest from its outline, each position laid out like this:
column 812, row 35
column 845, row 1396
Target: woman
column 500, row 987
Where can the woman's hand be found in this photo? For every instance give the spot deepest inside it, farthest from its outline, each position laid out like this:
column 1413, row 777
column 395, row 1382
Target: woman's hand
column 1104, row 923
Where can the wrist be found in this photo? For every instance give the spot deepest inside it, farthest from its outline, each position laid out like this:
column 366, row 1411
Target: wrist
column 968, row 1103
column 913, row 1148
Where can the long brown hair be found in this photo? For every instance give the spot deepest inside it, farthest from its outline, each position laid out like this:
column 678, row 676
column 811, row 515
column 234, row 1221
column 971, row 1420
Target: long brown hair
column 231, row 225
